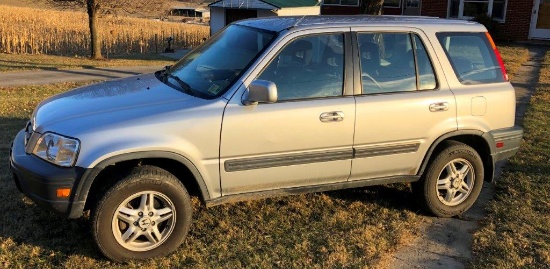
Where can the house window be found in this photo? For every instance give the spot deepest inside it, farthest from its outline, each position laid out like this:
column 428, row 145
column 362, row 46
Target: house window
column 467, row 9
column 392, row 3
column 341, row 2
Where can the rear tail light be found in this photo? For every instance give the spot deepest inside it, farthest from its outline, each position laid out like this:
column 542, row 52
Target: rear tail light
column 499, row 59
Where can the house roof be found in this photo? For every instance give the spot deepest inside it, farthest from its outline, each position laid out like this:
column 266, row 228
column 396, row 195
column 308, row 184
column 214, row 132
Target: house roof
column 265, row 4
column 183, row 7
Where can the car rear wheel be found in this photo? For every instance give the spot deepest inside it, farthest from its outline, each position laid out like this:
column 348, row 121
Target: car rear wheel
column 452, row 181
column 144, row 215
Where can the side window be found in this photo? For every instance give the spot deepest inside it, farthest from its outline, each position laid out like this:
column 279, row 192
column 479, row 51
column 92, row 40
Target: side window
column 472, row 58
column 388, row 63
column 308, row 67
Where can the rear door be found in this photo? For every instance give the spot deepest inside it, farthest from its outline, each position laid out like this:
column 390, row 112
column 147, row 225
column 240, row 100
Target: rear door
column 486, row 99
column 402, row 106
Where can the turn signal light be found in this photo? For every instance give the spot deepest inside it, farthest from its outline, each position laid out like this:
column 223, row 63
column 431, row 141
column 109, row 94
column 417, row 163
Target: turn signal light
column 63, row 192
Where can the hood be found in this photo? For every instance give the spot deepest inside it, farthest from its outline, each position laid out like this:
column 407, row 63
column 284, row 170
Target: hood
column 136, row 96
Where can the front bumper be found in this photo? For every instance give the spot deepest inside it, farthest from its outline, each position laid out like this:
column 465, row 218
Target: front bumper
column 39, row 180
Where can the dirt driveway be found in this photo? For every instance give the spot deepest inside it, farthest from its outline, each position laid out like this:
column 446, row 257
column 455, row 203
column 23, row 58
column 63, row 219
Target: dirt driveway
column 447, row 243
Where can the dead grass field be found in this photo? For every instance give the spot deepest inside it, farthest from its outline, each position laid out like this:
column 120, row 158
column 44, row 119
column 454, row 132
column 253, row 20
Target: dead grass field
column 21, row 62
column 26, row 30
column 513, row 56
column 516, row 233
column 348, row 228
column 25, row 3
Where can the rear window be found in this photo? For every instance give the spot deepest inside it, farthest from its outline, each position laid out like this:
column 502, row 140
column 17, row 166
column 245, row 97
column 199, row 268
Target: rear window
column 472, row 57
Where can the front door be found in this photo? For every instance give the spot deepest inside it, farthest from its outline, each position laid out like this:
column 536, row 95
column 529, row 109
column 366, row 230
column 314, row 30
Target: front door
column 411, row 7
column 540, row 21
column 303, row 139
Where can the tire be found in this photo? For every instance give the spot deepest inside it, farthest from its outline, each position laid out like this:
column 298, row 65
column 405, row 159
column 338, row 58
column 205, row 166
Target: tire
column 452, row 181
column 125, row 227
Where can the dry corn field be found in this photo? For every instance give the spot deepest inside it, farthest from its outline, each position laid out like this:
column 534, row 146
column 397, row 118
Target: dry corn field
column 39, row 31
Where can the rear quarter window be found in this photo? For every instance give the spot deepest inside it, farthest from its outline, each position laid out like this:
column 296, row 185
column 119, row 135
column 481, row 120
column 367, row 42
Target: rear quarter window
column 472, row 57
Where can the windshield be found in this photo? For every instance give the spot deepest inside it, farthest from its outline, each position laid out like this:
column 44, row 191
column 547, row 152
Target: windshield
column 209, row 70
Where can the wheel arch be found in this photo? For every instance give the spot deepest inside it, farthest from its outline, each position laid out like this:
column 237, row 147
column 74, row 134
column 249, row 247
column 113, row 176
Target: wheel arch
column 98, row 177
column 473, row 138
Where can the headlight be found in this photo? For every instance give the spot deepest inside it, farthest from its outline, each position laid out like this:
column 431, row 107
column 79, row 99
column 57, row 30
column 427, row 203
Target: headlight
column 57, row 149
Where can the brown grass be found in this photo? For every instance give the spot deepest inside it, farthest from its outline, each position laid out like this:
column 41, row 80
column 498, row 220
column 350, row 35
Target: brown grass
column 516, row 232
column 348, row 228
column 20, row 62
column 38, row 31
column 26, row 3
column 513, row 56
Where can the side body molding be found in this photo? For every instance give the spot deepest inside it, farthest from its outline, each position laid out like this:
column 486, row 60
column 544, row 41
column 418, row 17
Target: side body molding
column 85, row 183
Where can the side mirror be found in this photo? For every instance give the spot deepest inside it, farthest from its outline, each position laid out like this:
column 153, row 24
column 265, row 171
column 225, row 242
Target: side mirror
column 260, row 91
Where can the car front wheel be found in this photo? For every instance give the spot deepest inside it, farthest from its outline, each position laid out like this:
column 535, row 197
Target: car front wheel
column 146, row 214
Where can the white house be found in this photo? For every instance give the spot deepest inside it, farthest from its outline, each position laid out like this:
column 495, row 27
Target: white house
column 224, row 12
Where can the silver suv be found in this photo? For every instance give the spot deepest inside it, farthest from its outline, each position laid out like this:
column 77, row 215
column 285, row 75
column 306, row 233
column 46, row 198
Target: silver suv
column 274, row 106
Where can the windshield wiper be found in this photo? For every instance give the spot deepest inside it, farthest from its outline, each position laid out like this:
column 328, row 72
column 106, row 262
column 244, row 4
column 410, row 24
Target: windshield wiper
column 186, row 87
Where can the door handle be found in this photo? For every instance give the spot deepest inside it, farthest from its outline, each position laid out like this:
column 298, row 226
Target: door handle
column 334, row 116
column 437, row 107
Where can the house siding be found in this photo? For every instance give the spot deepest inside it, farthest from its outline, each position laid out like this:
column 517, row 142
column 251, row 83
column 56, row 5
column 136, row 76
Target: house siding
column 518, row 20
column 392, row 11
column 225, row 11
column 515, row 27
column 340, row 10
column 217, row 19
column 266, row 13
column 298, row 11
column 434, row 8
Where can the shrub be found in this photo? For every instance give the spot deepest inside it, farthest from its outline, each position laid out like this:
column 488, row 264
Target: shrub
column 492, row 26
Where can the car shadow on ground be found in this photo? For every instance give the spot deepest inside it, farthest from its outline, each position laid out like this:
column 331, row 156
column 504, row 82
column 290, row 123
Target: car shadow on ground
column 392, row 196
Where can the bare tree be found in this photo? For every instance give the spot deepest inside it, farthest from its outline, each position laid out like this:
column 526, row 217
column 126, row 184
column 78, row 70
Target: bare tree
column 97, row 8
column 372, row 7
